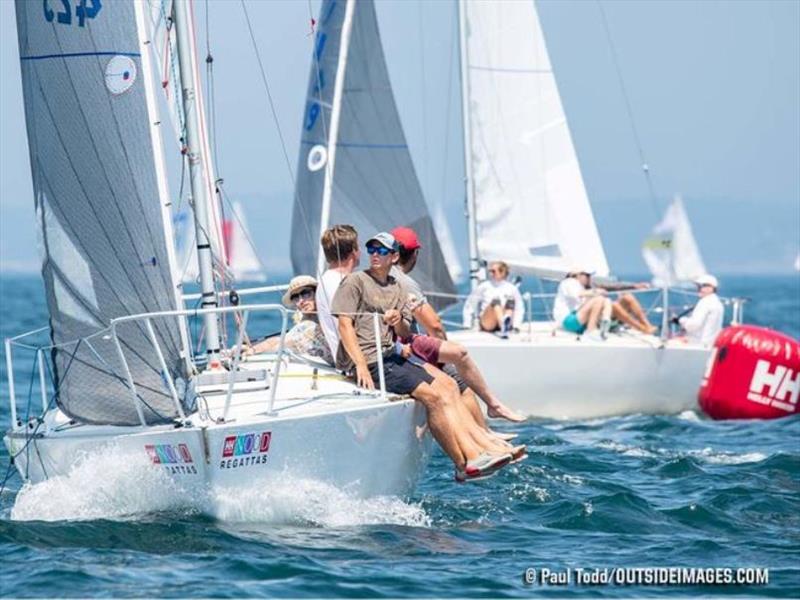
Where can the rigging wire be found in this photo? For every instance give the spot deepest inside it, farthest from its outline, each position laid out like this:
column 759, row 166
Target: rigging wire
column 423, row 97
column 629, row 108
column 448, row 112
column 264, row 80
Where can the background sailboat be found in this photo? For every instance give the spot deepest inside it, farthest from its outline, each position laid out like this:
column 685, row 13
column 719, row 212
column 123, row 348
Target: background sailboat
column 243, row 263
column 671, row 252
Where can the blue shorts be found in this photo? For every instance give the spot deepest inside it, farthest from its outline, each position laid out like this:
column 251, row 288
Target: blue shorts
column 571, row 323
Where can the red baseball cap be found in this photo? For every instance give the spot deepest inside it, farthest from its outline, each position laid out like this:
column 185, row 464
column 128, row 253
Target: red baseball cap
column 406, row 237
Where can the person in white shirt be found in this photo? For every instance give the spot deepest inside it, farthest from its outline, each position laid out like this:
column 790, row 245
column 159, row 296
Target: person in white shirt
column 340, row 246
column 496, row 301
column 705, row 321
column 578, row 307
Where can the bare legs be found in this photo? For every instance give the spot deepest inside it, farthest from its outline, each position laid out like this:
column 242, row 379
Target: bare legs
column 628, row 310
column 493, row 315
column 590, row 312
column 451, row 422
column 450, row 352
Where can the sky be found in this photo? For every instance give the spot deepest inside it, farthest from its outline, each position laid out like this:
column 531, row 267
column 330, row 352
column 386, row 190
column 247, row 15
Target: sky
column 713, row 85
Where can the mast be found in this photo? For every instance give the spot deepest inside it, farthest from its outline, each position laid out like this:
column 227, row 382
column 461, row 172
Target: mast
column 194, row 144
column 333, row 136
column 469, row 198
column 161, row 176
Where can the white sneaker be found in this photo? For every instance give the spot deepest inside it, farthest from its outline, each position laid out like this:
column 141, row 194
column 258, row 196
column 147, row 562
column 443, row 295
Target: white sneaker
column 594, row 336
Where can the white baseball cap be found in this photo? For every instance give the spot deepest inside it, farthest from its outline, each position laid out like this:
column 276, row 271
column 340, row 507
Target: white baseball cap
column 576, row 268
column 706, row 279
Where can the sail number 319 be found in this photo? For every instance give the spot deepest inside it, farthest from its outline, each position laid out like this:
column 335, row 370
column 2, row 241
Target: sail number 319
column 84, row 9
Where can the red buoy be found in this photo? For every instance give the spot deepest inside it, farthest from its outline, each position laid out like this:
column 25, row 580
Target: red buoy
column 752, row 373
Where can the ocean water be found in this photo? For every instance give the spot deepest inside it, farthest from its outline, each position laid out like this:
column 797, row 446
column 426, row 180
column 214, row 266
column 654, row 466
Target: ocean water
column 636, row 491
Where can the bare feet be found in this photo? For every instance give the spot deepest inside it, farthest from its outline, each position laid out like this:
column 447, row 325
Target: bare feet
column 501, row 411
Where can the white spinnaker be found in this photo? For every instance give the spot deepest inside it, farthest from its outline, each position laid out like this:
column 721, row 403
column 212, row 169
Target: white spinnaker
column 531, row 207
column 671, row 252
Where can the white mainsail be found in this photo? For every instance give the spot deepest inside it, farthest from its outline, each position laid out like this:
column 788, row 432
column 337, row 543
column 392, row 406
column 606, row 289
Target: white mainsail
column 354, row 164
column 97, row 166
column 528, row 200
column 671, row 252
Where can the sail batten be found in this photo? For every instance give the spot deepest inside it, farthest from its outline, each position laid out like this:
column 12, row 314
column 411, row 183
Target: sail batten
column 99, row 209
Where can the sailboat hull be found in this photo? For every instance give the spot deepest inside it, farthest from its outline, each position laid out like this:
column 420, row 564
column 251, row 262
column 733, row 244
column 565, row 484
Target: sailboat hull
column 549, row 374
column 363, row 446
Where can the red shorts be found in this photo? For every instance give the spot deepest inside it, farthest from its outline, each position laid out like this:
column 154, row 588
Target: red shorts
column 426, row 347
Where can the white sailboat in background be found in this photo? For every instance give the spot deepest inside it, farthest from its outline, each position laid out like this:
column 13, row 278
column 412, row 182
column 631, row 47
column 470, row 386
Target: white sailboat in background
column 243, row 263
column 528, row 206
column 124, row 381
column 671, row 252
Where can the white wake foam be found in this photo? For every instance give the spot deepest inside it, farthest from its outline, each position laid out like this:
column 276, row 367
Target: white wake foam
column 112, row 484
column 107, row 484
column 303, row 501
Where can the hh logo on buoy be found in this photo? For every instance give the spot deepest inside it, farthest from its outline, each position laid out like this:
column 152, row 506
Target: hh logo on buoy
column 782, row 386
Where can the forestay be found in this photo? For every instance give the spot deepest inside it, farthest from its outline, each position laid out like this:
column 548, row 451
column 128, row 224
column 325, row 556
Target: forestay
column 355, row 140
column 98, row 205
column 530, row 203
column 671, row 252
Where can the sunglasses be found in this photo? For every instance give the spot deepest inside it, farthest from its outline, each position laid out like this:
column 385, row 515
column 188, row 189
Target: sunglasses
column 382, row 250
column 305, row 294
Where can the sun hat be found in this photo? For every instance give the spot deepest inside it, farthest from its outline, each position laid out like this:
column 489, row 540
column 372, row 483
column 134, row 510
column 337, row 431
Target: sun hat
column 706, row 279
column 385, row 239
column 406, row 237
column 298, row 283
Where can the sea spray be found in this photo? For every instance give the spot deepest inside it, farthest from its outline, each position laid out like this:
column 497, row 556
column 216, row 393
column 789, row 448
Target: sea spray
column 108, row 483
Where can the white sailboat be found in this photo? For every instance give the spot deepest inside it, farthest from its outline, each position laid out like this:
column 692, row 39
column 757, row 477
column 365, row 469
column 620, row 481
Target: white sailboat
column 243, row 263
column 671, row 252
column 123, row 380
column 528, row 206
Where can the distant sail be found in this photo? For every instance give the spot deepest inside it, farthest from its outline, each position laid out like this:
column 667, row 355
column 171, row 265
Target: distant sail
column 797, row 263
column 370, row 176
column 531, row 207
column 671, row 252
column 88, row 104
column 243, row 261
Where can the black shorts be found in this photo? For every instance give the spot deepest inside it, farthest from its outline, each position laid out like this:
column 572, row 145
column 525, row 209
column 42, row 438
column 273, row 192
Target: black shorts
column 450, row 369
column 400, row 375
